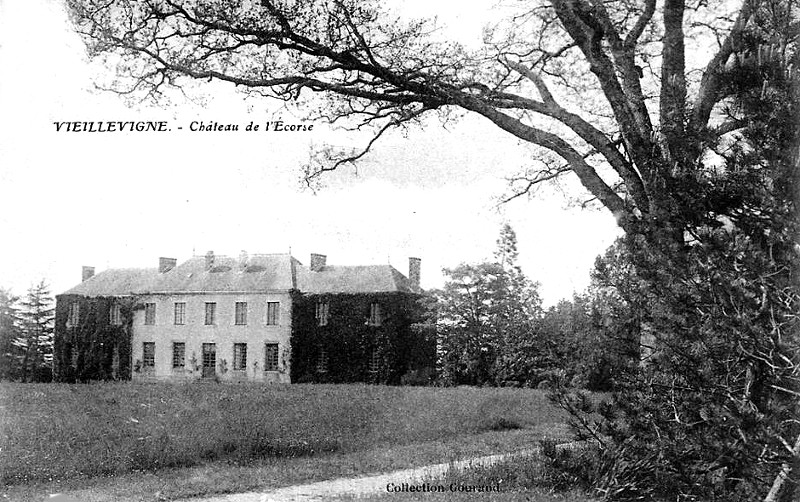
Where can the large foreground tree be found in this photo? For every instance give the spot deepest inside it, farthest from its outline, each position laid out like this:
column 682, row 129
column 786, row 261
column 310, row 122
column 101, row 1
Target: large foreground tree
column 602, row 87
column 696, row 157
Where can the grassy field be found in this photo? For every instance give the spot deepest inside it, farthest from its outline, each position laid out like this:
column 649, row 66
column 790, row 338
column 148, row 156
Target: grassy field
column 51, row 434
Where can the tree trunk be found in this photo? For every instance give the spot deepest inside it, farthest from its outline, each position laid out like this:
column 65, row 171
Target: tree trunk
column 783, row 475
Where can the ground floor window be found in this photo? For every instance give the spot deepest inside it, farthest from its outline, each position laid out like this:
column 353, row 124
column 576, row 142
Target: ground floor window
column 322, row 360
column 209, row 360
column 149, row 354
column 70, row 356
column 271, row 357
column 374, row 362
column 178, row 355
column 239, row 356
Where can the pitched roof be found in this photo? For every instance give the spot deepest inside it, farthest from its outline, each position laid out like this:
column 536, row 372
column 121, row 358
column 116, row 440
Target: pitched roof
column 116, row 282
column 353, row 279
column 273, row 272
column 263, row 273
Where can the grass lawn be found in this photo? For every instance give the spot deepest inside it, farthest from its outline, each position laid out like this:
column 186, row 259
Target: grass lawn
column 132, row 441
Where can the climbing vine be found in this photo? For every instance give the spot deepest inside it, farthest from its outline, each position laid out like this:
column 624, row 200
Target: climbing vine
column 91, row 347
column 348, row 340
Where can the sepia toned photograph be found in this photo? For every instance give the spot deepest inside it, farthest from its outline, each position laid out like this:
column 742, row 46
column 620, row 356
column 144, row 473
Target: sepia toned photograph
column 343, row 250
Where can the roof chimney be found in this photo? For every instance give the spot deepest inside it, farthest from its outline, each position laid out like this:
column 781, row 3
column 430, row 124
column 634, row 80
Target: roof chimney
column 86, row 273
column 166, row 264
column 317, row 262
column 209, row 260
column 243, row 258
column 414, row 266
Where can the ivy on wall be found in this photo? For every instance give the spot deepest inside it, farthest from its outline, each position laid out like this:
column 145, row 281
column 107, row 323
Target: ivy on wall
column 93, row 349
column 348, row 340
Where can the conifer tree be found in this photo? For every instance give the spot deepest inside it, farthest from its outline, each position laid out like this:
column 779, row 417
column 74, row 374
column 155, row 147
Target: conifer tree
column 486, row 312
column 35, row 344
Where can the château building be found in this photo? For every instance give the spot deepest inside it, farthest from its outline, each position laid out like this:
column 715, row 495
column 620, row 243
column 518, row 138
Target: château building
column 262, row 318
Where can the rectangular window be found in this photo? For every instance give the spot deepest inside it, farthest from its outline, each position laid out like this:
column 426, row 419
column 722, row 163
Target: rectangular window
column 241, row 313
column 271, row 357
column 115, row 315
column 272, row 313
column 211, row 313
column 240, row 356
column 178, row 355
column 150, row 313
column 322, row 360
column 374, row 314
column 374, row 362
column 180, row 313
column 322, row 313
column 149, row 354
column 74, row 315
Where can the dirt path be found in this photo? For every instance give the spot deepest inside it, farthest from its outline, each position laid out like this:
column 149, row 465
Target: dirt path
column 362, row 485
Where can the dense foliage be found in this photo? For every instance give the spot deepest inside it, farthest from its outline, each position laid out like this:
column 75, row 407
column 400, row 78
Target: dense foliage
column 340, row 351
column 485, row 316
column 9, row 332
column 591, row 340
column 93, row 348
column 493, row 331
column 713, row 414
column 26, row 335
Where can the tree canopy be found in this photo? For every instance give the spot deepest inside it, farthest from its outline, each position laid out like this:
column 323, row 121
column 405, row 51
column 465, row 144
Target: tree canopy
column 485, row 317
column 604, row 89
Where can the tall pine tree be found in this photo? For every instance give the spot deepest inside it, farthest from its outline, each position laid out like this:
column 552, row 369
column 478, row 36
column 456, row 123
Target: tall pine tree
column 35, row 345
column 486, row 311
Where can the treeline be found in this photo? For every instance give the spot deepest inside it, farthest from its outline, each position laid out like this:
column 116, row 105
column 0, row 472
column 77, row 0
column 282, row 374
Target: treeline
column 492, row 329
column 26, row 335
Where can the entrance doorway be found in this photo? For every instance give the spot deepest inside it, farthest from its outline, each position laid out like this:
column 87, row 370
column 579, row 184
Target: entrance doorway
column 209, row 360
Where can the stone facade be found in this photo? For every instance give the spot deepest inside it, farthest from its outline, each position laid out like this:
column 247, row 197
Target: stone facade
column 253, row 334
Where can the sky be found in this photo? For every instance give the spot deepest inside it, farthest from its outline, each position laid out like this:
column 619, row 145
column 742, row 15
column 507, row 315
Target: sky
column 123, row 200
